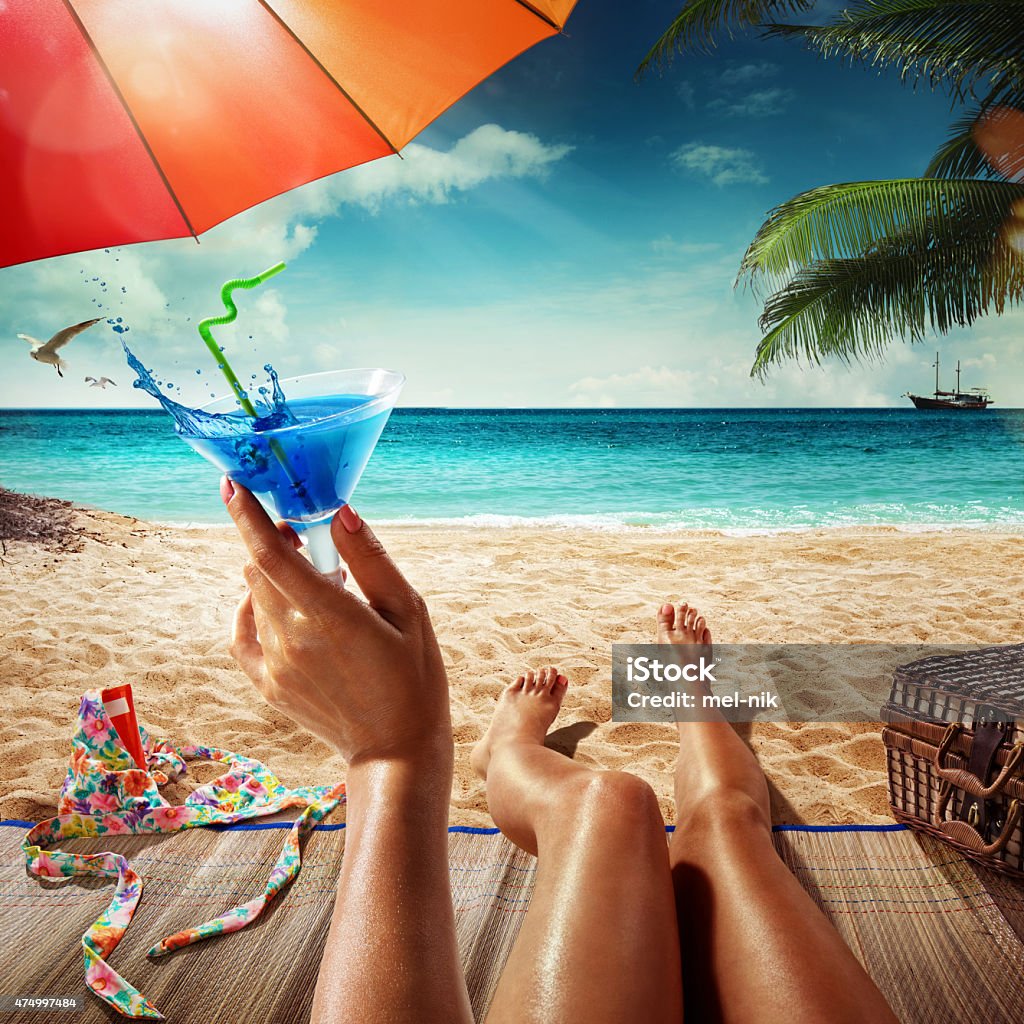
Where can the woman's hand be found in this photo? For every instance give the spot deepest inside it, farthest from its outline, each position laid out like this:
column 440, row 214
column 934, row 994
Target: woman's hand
column 365, row 676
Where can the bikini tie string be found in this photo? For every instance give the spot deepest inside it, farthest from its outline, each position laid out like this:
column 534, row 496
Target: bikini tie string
column 106, row 794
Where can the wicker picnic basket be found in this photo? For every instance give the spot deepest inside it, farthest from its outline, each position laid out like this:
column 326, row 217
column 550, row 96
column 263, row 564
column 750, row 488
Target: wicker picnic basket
column 954, row 742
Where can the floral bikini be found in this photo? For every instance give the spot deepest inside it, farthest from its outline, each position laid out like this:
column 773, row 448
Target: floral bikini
column 106, row 794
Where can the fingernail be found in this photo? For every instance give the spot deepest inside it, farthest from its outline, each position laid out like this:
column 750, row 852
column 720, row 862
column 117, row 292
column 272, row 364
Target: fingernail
column 227, row 489
column 350, row 519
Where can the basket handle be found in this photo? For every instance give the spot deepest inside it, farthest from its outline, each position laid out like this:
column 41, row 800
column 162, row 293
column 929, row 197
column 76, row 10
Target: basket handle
column 965, row 780
column 962, row 833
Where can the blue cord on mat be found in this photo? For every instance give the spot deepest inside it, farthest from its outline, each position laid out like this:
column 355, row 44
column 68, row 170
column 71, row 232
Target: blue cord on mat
column 472, row 831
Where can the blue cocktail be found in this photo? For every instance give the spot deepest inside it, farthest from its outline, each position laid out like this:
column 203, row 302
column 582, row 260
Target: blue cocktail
column 304, row 458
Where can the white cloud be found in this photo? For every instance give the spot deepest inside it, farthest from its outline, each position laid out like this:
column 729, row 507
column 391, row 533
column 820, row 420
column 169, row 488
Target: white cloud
column 986, row 361
column 761, row 103
column 428, row 175
column 741, row 74
column 686, row 92
column 647, row 385
column 720, row 164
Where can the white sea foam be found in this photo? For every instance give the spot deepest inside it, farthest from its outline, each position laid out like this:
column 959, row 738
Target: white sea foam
column 639, row 522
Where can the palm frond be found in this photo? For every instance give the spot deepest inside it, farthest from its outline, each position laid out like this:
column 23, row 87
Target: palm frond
column 697, row 26
column 852, row 309
column 845, row 221
column 960, row 156
column 958, row 43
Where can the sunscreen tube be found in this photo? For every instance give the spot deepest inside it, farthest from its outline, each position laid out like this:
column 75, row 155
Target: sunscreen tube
column 120, row 708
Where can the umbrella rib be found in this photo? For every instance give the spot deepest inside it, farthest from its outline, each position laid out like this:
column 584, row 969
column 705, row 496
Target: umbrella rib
column 131, row 117
column 543, row 17
column 309, row 53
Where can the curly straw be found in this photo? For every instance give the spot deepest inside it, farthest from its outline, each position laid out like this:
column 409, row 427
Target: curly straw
column 227, row 318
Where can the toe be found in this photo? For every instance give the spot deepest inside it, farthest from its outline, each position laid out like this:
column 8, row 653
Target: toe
column 691, row 615
column 706, row 636
column 698, row 626
column 666, row 616
column 552, row 678
column 518, row 684
column 561, row 684
column 681, row 610
column 531, row 679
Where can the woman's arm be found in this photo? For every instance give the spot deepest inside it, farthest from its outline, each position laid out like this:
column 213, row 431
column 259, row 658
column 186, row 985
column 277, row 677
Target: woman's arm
column 367, row 677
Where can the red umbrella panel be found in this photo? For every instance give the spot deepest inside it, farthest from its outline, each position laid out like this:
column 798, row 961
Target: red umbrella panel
column 124, row 122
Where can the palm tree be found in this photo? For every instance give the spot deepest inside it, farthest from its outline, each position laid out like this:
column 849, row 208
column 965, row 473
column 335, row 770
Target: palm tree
column 851, row 266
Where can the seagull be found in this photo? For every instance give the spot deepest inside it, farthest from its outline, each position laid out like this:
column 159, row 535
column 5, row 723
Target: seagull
column 101, row 383
column 46, row 352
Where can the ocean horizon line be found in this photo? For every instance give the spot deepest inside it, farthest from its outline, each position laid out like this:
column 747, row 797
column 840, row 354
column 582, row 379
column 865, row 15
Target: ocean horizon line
column 538, row 408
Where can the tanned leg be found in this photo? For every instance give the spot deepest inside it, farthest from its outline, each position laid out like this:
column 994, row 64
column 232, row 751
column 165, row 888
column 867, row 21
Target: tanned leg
column 599, row 942
column 754, row 945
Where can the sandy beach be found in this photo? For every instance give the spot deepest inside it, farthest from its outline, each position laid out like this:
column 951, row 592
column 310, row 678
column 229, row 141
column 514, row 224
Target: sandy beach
column 151, row 605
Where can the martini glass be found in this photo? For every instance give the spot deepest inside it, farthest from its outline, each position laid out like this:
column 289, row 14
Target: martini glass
column 304, row 459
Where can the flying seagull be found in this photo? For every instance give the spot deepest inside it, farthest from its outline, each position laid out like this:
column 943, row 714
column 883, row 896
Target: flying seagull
column 101, row 383
column 46, row 352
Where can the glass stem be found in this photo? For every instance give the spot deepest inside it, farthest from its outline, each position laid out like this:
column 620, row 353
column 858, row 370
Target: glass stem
column 322, row 550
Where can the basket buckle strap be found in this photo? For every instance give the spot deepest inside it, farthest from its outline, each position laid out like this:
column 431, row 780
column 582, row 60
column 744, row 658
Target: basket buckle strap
column 973, row 780
column 962, row 833
column 988, row 737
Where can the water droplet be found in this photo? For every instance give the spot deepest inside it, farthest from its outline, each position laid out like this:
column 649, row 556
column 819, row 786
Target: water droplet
column 119, row 319
column 124, row 291
column 106, row 250
column 199, row 371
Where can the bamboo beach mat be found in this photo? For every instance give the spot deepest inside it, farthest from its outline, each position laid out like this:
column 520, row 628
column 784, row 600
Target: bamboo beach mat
column 942, row 938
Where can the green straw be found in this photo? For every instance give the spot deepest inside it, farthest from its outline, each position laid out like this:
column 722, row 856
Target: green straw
column 227, row 318
column 229, row 374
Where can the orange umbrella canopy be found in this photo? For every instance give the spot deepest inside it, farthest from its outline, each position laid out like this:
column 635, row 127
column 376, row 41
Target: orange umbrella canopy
column 126, row 121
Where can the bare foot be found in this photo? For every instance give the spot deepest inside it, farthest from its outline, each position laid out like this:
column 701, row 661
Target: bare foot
column 682, row 624
column 685, row 628
column 524, row 714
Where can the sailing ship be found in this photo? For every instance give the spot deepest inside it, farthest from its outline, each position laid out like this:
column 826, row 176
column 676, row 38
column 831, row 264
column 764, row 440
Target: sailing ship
column 975, row 398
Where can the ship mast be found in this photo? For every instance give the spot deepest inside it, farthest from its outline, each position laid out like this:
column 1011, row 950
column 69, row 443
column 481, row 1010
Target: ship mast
column 936, row 374
column 958, row 378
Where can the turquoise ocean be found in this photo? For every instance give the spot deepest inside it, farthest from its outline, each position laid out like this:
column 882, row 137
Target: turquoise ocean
column 743, row 470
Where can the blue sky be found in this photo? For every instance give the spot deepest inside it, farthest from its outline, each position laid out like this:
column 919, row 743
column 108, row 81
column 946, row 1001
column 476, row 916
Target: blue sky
column 562, row 236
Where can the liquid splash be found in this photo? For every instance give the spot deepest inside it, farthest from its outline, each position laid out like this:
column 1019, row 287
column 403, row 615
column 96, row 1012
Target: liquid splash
column 235, row 437
column 272, row 405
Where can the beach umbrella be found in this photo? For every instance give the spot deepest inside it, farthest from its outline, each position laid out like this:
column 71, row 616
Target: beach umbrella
column 125, row 121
